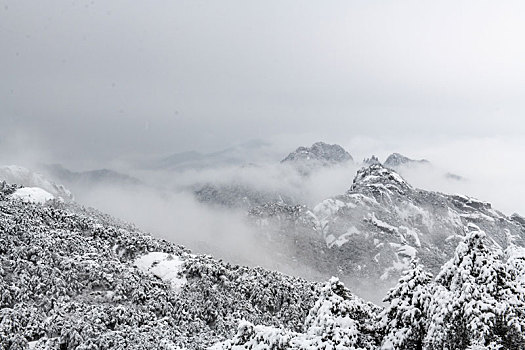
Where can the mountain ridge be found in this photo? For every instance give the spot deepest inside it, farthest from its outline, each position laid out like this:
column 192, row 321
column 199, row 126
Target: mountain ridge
column 74, row 278
column 373, row 230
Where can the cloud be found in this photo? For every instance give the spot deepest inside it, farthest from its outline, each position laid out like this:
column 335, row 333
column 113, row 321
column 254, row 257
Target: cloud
column 491, row 167
column 109, row 79
column 95, row 84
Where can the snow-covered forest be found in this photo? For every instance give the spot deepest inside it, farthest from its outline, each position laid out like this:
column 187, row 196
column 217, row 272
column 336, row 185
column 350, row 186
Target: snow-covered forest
column 262, row 175
column 74, row 278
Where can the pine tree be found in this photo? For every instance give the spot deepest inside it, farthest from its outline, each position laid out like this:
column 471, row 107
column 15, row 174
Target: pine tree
column 404, row 321
column 472, row 305
column 338, row 319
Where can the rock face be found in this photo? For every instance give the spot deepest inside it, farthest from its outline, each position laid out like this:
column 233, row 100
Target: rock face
column 320, row 152
column 380, row 224
column 396, row 160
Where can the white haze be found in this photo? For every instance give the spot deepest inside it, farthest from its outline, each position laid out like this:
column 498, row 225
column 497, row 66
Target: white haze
column 491, row 169
column 223, row 233
column 98, row 80
column 166, row 207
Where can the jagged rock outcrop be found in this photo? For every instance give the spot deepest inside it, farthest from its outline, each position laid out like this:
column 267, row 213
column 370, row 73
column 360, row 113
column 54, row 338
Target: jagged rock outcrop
column 381, row 223
column 371, row 160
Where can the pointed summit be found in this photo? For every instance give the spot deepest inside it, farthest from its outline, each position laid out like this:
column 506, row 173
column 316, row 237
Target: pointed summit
column 378, row 176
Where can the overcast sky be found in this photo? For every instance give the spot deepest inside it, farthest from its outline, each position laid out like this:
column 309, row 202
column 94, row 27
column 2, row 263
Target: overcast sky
column 106, row 79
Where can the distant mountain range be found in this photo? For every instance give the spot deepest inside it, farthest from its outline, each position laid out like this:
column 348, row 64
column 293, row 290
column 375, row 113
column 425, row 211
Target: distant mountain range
column 306, row 161
column 90, row 177
column 238, row 155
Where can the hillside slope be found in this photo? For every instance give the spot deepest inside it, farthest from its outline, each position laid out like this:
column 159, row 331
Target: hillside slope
column 71, row 277
column 74, row 278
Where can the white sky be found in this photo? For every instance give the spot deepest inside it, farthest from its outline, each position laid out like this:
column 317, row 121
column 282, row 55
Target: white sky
column 104, row 79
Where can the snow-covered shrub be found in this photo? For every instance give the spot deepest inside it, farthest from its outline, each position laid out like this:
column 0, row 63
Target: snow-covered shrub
column 476, row 300
column 405, row 320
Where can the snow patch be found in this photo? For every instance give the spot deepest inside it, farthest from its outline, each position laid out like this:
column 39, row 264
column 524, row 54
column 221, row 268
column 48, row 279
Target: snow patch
column 32, row 195
column 404, row 250
column 381, row 224
column 410, row 235
column 166, row 266
column 477, row 217
column 331, row 240
column 405, row 254
column 330, row 207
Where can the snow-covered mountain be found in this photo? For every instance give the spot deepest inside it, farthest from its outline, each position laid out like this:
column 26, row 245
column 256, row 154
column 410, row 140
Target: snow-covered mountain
column 374, row 230
column 74, row 278
column 319, row 154
column 237, row 155
column 370, row 233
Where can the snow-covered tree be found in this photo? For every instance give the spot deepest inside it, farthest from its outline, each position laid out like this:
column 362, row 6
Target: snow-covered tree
column 338, row 320
column 69, row 279
column 404, row 321
column 475, row 302
column 515, row 256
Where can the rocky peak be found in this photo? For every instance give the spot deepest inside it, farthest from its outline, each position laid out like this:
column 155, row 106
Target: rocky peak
column 371, row 160
column 319, row 151
column 378, row 176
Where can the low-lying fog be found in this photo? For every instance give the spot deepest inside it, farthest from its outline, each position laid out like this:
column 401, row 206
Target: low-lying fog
column 163, row 203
